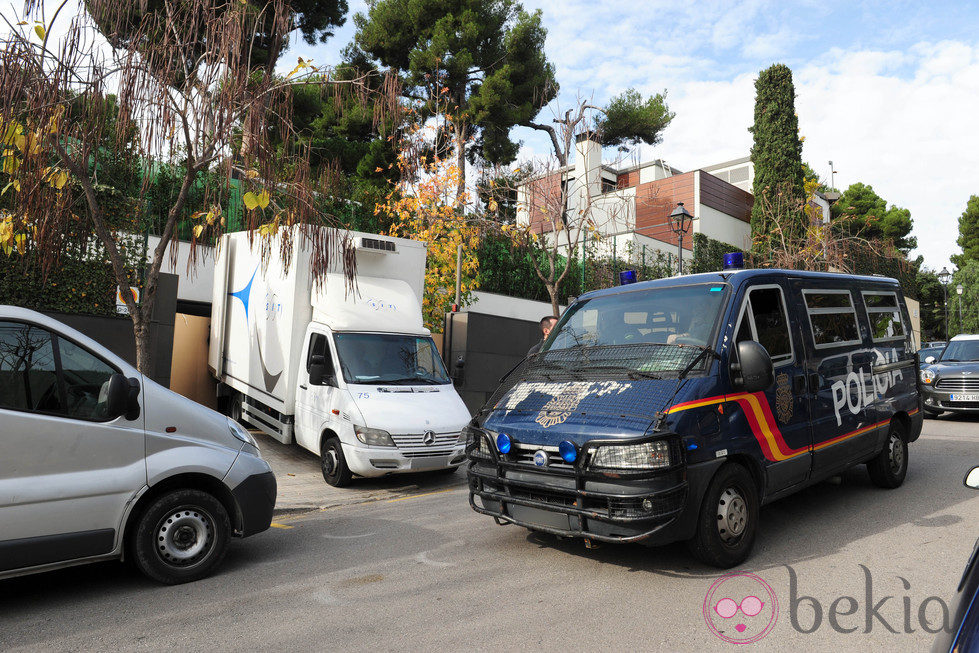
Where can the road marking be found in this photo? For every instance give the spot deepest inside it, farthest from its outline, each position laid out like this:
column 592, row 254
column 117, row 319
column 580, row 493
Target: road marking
column 283, row 526
column 423, row 558
column 424, row 494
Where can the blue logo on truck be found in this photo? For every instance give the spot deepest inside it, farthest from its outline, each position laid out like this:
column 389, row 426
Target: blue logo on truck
column 271, row 307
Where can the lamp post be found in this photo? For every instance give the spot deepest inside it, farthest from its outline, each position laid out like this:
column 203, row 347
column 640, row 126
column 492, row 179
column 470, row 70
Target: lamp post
column 680, row 221
column 943, row 278
column 958, row 290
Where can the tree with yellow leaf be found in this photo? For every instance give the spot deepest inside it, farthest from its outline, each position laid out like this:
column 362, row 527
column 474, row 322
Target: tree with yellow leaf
column 56, row 122
column 426, row 206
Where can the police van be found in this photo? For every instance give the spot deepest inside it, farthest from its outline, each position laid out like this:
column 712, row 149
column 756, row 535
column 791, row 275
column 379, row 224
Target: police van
column 674, row 409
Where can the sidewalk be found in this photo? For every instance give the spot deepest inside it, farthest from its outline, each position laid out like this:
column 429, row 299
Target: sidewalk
column 302, row 488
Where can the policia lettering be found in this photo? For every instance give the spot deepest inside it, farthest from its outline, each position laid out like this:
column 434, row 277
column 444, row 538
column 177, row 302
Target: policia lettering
column 856, row 394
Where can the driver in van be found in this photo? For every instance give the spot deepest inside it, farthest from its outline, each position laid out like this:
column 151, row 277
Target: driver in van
column 698, row 321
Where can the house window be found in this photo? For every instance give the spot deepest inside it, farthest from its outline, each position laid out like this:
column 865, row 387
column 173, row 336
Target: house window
column 608, row 186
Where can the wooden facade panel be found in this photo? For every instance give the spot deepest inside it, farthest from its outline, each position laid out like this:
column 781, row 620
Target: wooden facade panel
column 628, row 179
column 656, row 200
column 724, row 197
column 545, row 202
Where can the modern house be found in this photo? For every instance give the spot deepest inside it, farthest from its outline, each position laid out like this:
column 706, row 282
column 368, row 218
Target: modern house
column 628, row 208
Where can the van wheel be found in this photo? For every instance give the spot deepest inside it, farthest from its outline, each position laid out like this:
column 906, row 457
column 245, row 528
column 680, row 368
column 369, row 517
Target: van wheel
column 181, row 537
column 234, row 407
column 728, row 519
column 333, row 464
column 888, row 468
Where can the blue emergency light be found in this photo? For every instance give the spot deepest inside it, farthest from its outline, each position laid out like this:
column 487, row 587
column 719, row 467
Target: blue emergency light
column 503, row 443
column 568, row 451
column 734, row 261
column 626, row 277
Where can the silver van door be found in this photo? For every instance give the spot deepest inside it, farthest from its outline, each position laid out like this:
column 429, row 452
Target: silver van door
column 66, row 473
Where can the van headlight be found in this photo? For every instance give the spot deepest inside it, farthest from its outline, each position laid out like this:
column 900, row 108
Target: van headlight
column 373, row 437
column 239, row 432
column 473, row 436
column 927, row 376
column 648, row 455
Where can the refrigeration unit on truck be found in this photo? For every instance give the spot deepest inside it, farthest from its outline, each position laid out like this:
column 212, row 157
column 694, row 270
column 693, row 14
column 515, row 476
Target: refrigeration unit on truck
column 349, row 374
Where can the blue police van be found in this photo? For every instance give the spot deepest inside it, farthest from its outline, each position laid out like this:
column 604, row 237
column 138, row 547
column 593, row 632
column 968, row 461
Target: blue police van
column 674, row 409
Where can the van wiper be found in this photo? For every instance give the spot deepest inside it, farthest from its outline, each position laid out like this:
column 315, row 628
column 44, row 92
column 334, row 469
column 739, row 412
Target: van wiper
column 692, row 364
column 405, row 380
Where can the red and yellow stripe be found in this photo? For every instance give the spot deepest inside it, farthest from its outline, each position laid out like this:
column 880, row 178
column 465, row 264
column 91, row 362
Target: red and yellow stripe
column 763, row 426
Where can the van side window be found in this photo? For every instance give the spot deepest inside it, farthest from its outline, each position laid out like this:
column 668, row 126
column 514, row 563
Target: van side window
column 318, row 346
column 884, row 315
column 86, row 381
column 28, row 371
column 765, row 321
column 832, row 317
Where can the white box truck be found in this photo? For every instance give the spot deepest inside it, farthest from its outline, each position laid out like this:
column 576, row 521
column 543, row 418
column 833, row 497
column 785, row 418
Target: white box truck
column 351, row 375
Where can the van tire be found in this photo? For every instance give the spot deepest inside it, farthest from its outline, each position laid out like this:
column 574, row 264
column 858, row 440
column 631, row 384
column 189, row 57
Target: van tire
column 198, row 515
column 333, row 464
column 730, row 499
column 889, row 467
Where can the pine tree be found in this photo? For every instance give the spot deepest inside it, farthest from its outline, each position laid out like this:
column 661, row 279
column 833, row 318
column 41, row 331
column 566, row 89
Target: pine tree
column 776, row 152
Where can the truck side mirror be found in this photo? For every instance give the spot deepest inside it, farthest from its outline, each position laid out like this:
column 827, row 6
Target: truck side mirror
column 753, row 371
column 318, row 370
column 457, row 371
column 117, row 396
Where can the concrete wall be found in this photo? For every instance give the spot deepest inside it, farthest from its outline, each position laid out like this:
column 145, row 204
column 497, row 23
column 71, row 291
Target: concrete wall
column 195, row 280
column 509, row 307
column 720, row 226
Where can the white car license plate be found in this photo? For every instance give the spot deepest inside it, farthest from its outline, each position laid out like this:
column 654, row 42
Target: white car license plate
column 963, row 397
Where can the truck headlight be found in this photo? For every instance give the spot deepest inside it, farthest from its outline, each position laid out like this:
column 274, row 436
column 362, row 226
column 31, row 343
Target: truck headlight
column 648, row 455
column 373, row 437
column 927, row 376
column 239, row 432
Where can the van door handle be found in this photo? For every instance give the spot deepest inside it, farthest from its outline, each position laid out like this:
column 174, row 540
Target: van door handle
column 304, row 387
column 813, row 383
column 799, row 384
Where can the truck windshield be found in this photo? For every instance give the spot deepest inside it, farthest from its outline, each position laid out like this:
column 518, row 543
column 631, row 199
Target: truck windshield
column 641, row 321
column 389, row 359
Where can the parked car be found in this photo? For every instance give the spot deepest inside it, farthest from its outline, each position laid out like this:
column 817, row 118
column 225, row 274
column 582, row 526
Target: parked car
column 964, row 634
column 929, row 355
column 673, row 409
column 951, row 382
column 100, row 463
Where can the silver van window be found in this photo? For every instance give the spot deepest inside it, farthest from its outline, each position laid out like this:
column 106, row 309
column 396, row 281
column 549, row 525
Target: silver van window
column 86, row 381
column 28, row 370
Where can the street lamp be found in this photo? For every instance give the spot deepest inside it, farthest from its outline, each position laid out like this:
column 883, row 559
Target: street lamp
column 680, row 221
column 958, row 290
column 944, row 277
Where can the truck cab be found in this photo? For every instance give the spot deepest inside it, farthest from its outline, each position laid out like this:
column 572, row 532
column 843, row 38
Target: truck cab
column 375, row 403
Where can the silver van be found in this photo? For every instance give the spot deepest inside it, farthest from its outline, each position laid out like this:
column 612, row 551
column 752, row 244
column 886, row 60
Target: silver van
column 98, row 462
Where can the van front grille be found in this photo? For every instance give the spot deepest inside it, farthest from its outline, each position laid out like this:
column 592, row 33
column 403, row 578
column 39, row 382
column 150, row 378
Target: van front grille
column 417, row 440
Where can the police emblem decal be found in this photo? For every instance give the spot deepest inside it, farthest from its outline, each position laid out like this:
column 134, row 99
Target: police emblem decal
column 783, row 398
column 541, row 458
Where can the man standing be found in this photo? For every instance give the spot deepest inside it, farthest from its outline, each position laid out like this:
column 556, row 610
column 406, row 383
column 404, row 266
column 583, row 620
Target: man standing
column 546, row 324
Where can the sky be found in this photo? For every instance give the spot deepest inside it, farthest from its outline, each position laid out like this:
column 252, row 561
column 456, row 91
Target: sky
column 888, row 91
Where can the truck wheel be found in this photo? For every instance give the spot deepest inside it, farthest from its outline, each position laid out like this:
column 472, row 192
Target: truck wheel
column 234, row 407
column 333, row 464
column 181, row 537
column 888, row 468
column 728, row 519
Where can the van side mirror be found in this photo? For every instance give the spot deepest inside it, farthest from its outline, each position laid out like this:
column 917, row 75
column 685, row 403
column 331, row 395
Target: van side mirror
column 117, row 396
column 753, row 370
column 972, row 478
column 318, row 372
column 929, row 360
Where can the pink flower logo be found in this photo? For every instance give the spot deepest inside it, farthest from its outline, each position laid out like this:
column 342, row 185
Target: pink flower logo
column 740, row 608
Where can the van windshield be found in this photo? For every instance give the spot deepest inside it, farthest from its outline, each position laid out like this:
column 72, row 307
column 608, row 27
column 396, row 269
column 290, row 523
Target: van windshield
column 645, row 322
column 389, row 359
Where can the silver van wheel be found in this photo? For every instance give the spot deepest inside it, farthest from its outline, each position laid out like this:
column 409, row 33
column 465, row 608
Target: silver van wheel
column 896, row 455
column 181, row 536
column 185, row 536
column 732, row 515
